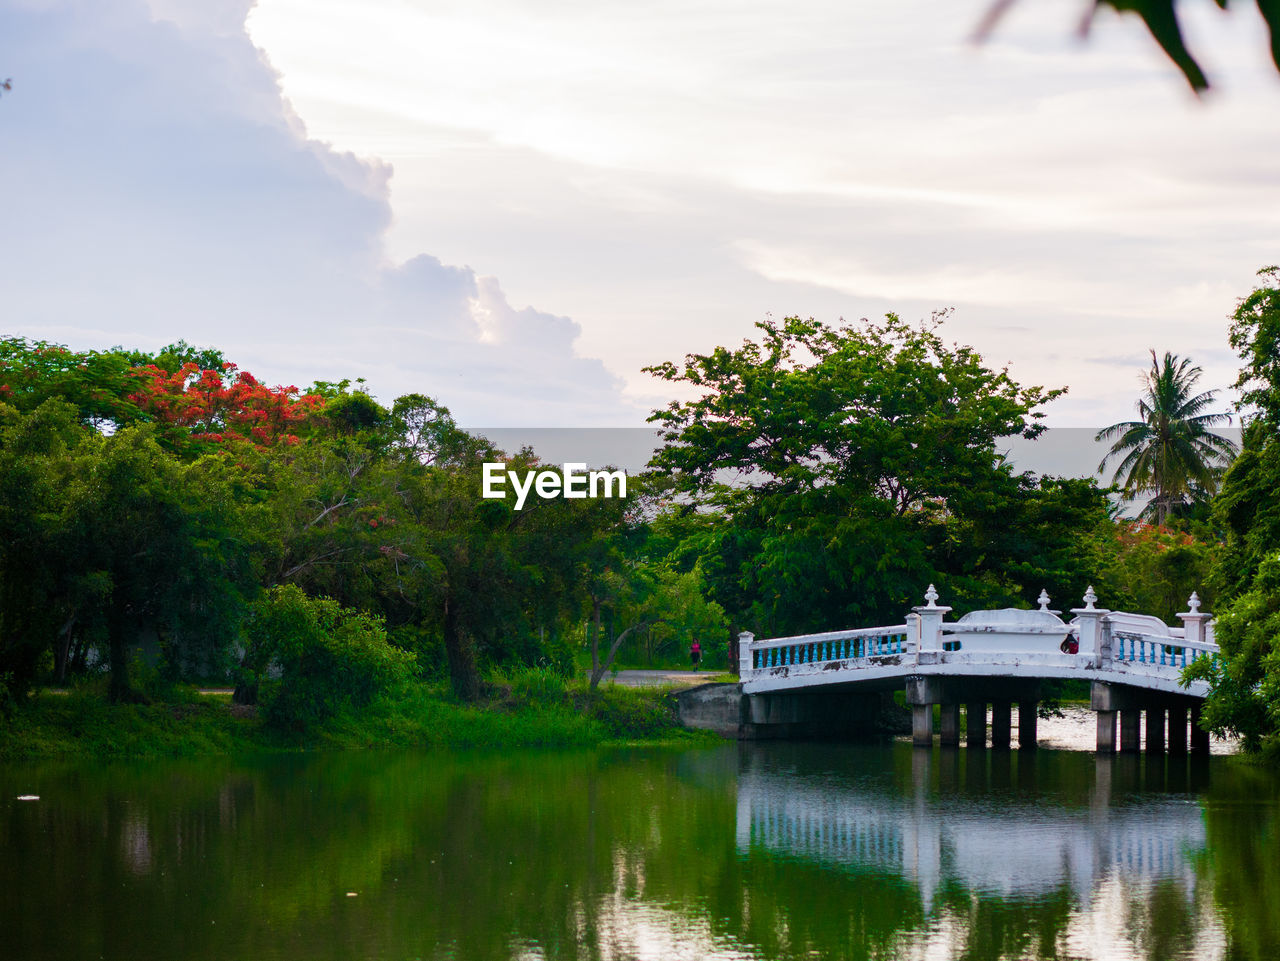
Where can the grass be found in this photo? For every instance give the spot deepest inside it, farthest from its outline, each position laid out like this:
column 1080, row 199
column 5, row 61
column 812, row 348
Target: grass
column 530, row 708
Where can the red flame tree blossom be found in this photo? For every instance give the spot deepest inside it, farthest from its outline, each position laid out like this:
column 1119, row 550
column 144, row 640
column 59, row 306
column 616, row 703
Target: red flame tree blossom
column 217, row 406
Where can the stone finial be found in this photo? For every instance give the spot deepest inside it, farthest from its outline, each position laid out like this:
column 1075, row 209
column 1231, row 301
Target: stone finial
column 1090, row 599
column 1193, row 603
column 931, row 596
column 1043, row 600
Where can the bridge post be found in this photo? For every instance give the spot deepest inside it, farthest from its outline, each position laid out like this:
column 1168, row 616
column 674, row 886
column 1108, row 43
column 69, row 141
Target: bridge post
column 1001, row 724
column 1091, row 634
column 1199, row 736
column 1177, row 730
column 1130, row 721
column 931, row 615
column 975, row 723
column 922, row 725
column 1027, row 715
column 1155, row 730
column 950, row 717
column 1193, row 621
column 745, row 662
column 1106, row 732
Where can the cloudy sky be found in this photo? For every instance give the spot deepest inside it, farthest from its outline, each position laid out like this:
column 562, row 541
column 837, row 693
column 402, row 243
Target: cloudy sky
column 514, row 205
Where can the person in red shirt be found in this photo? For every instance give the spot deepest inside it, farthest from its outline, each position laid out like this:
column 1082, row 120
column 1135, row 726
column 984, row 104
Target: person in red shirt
column 695, row 652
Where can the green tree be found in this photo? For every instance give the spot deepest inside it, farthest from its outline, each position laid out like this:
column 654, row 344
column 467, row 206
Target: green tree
column 162, row 539
column 1171, row 453
column 849, row 466
column 38, row 573
column 1245, row 681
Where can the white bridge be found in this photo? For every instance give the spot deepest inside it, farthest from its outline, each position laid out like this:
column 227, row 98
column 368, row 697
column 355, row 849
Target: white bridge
column 998, row 657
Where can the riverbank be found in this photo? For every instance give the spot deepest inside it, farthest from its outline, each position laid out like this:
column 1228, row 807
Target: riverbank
column 528, row 710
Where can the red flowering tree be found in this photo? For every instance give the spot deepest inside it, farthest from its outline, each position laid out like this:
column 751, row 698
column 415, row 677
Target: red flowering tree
column 225, row 405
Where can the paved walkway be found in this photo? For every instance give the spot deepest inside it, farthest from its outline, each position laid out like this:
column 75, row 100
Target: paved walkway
column 656, row 678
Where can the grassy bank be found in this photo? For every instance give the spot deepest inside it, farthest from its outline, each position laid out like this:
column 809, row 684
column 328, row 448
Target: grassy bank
column 523, row 710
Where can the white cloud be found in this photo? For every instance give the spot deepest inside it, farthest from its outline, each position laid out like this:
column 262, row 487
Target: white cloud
column 158, row 186
column 664, row 173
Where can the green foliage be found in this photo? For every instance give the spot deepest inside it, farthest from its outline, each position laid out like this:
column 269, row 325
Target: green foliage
column 329, row 658
column 82, row 723
column 1245, row 680
column 1171, row 453
column 628, row 713
column 1245, row 694
column 1152, row 569
column 842, row 468
column 96, row 384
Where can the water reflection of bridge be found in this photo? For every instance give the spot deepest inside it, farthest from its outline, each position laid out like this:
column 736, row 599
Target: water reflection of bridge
column 987, row 839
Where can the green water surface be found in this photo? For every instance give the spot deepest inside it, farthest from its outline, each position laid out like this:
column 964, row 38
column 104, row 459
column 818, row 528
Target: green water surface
column 741, row 851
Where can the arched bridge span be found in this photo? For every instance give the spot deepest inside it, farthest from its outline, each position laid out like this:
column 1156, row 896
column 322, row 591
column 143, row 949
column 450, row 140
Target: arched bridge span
column 997, row 658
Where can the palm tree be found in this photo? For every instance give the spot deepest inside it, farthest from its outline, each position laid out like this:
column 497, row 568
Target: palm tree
column 1171, row 452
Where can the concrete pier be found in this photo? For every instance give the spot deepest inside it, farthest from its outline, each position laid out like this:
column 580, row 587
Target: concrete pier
column 1027, row 716
column 1001, row 725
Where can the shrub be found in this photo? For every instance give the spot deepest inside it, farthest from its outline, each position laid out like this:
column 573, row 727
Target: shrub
column 328, row 658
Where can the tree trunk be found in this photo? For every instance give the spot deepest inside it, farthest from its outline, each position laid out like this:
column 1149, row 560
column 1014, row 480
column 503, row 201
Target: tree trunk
column 120, row 691
column 599, row 670
column 62, row 650
column 460, row 650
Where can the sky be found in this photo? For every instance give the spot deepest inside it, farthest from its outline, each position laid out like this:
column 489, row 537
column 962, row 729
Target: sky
column 514, row 206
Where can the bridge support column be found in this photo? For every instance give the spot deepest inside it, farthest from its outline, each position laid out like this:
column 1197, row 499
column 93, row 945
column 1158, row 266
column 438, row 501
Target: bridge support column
column 975, row 724
column 1199, row 736
column 1177, row 730
column 1027, row 714
column 1001, row 724
column 1106, row 732
column 922, row 725
column 950, row 718
column 1155, row 730
column 1130, row 727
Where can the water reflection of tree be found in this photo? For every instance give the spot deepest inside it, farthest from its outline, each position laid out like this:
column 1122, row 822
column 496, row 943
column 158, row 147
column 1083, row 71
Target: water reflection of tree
column 1001, row 927
column 1243, row 859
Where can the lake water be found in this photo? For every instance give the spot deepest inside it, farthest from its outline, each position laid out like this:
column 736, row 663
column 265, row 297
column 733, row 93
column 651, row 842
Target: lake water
column 740, row 851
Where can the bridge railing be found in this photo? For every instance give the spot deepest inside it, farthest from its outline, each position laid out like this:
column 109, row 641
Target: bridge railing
column 1156, row 650
column 863, row 644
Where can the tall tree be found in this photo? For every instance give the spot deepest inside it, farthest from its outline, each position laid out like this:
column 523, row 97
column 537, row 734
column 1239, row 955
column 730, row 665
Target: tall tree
column 1245, row 681
column 1171, row 453
column 162, row 538
column 852, row 465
